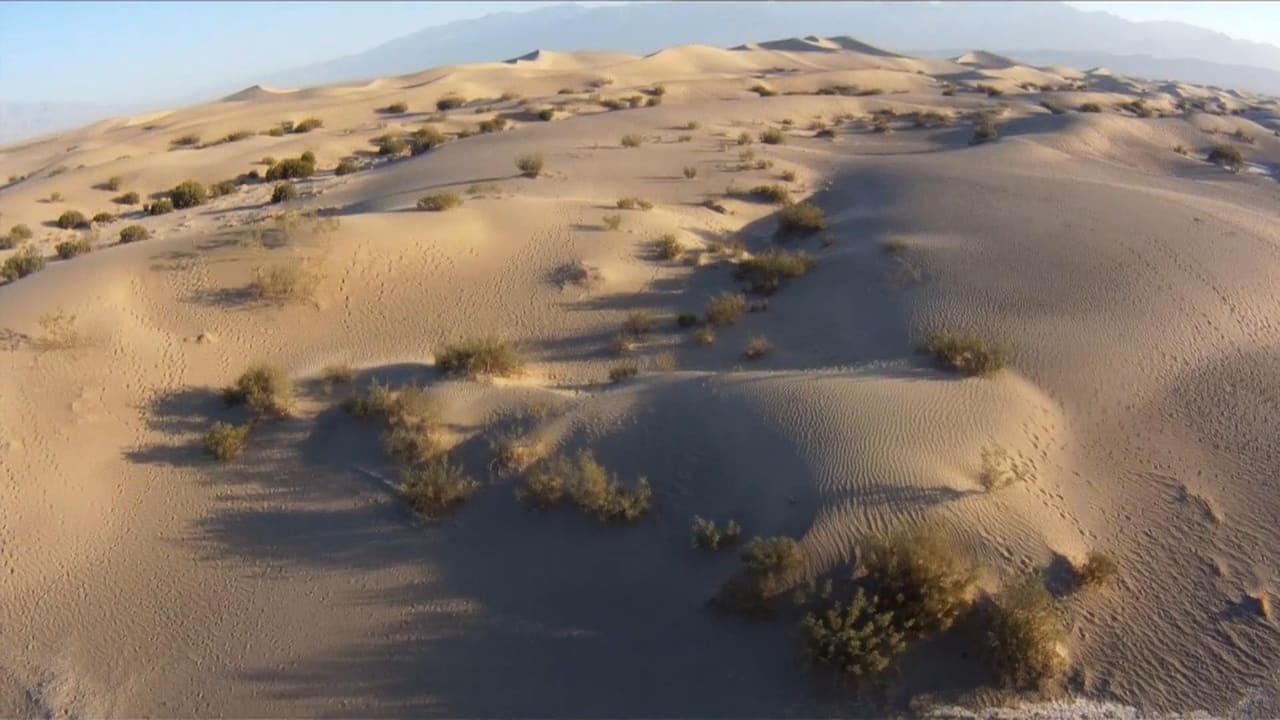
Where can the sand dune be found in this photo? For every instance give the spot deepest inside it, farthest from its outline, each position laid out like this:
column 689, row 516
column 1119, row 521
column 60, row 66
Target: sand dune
column 1134, row 284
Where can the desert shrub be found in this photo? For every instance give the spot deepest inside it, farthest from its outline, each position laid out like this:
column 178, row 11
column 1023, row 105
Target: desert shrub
column 342, row 374
column 308, row 124
column 68, row 249
column 185, row 141
column 919, row 577
column 530, row 165
column 802, row 217
column 22, row 263
column 308, row 157
column 990, row 90
column 881, row 125
column 437, row 488
column 492, row 125
column 159, row 207
column 1243, row 136
column 547, row 114
column 706, row 535
column 776, row 194
column 999, row 468
column 766, row 272
column 631, row 203
column 1090, row 107
column 1181, row 149
column 133, row 233
column 588, row 485
column 668, row 247
column 757, row 348
column 704, row 336
column 1023, row 636
column 225, row 441
column 635, row 101
column 653, row 101
column 113, row 183
column 223, row 187
column 614, row 103
column 422, row 140
column 1097, row 569
column 726, row 309
column 772, row 136
column 20, row 232
column 289, row 169
column 690, row 172
column 686, row 320
column 763, row 90
column 395, row 108
column 283, row 192
column 411, row 443
column 789, row 175
column 631, row 140
column 237, row 136
column 72, row 219
column 1227, row 156
column 188, row 194
column 618, row 373
column 744, row 138
column 612, row 222
column 378, row 401
column 267, row 160
column 857, row 638
column 390, row 145
column 450, row 102
column 969, row 354
column 264, row 389
column 770, row 565
column 439, row 202
column 623, row 343
column 129, row 198
column 984, row 129
column 638, row 323
column 54, row 197
column 346, row 166
column 482, row 356
column 103, row 218
column 276, row 132
column 284, row 283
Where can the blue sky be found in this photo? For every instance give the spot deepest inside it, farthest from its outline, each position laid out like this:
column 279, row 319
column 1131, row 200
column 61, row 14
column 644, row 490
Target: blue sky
column 148, row 52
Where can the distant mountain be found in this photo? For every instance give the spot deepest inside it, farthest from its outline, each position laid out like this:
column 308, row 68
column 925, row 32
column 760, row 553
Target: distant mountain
column 1013, row 28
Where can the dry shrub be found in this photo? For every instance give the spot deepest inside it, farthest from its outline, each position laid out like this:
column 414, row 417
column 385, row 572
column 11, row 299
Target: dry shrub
column 639, row 323
column 632, row 203
column 308, row 124
column 776, row 194
column 969, row 354
column 1098, row 569
column 72, row 219
column 765, row 273
column 984, row 129
column 706, row 535
column 58, row 331
column 757, row 348
column 22, row 263
column 612, row 222
column 625, row 371
column 188, row 194
column 917, row 575
column 481, row 356
column 1090, row 107
column 704, row 336
column 802, row 218
column 999, row 468
column 1023, row 636
column 341, row 374
column 581, row 274
column 283, row 192
column 530, row 165
column 770, row 566
column 772, row 136
column 264, row 389
column 726, row 309
column 295, row 282
column 436, row 489
column 225, row 441
column 451, row 101
column 631, row 140
column 1227, row 156
column 68, row 249
column 439, row 202
column 588, row 485
column 857, row 638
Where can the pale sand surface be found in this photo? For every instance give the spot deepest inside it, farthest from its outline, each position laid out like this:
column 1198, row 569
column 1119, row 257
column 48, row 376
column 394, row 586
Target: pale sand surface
column 1137, row 287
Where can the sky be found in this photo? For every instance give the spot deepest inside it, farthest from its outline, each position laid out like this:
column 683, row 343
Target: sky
column 135, row 53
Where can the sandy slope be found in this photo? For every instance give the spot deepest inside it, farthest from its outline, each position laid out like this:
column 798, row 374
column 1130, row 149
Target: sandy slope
column 1136, row 285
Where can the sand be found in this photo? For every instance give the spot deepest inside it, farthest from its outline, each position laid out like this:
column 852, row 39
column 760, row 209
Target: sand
column 1136, row 286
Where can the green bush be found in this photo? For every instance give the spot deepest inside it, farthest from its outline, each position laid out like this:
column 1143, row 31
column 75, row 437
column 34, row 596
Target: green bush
column 969, row 354
column 770, row 565
column 129, row 198
column 223, row 187
column 308, row 124
column 483, row 356
column 588, row 485
column 439, row 202
column 1023, row 636
column 530, row 165
column 225, row 441
column 159, row 207
column 802, row 217
column 492, row 125
column 918, row 577
column 390, row 145
column 265, row 389
column 308, row 157
column 1098, row 569
column 1227, row 156
column 72, row 219
column 772, row 136
column 726, row 309
column 188, row 194
column 669, row 248
column 450, row 102
column 857, row 638
column 424, row 139
column 776, row 194
column 22, row 263
column 436, row 489
column 283, row 192
column 289, row 169
column 133, row 233
column 68, row 249
column 765, row 273
column 346, row 166
column 706, row 535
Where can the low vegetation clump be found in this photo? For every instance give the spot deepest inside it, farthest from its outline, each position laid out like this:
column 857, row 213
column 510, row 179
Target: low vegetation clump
column 72, row 219
column 437, row 488
column 625, row 371
column 439, row 202
column 1000, row 469
column 530, row 165
column 223, row 187
column 113, row 183
column 390, row 145
column 284, row 283
column 264, row 389
column 690, row 172
column 704, row 336
column 185, row 141
column 283, row 192
column 969, row 354
column 757, row 348
column 856, row 637
column 765, row 273
column 588, row 485
column 918, row 577
column 159, row 207
column 16, row 234
column 1227, row 156
column 188, row 194
column 22, row 263
column 638, row 323
column 225, row 441
column 68, row 249
column 770, row 566
column 776, row 194
column 802, row 217
column 632, row 203
column 1053, row 106
column 984, row 129
column 669, row 248
column 1090, row 107
column 1023, row 636
column 290, row 169
column 346, row 166
column 237, row 136
column 395, row 108
column 424, row 139
column 129, row 198
column 686, row 320
column 1098, row 569
column 612, row 222
column 483, row 356
column 103, row 218
column 772, row 136
column 631, row 140
column 308, row 124
column 450, row 102
column 491, row 125
column 547, row 114
column 990, row 90
column 706, row 535
column 726, row 309
column 342, row 374
column 763, row 90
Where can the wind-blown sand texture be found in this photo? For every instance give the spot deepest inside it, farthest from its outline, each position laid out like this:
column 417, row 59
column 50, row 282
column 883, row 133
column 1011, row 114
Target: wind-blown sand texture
column 1135, row 285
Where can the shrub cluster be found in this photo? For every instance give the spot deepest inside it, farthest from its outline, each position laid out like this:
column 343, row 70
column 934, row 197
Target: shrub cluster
column 439, row 202
column 133, row 233
column 291, row 168
column 68, row 249
column 72, row 219
column 588, row 485
column 726, row 309
column 802, row 217
column 482, row 356
column 1023, row 636
column 969, row 354
column 22, row 263
column 159, row 207
column 225, row 441
column 188, row 194
column 264, row 389
column 530, row 165
column 436, row 488
column 769, row 566
column 706, row 535
column 1227, row 156
column 283, row 192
